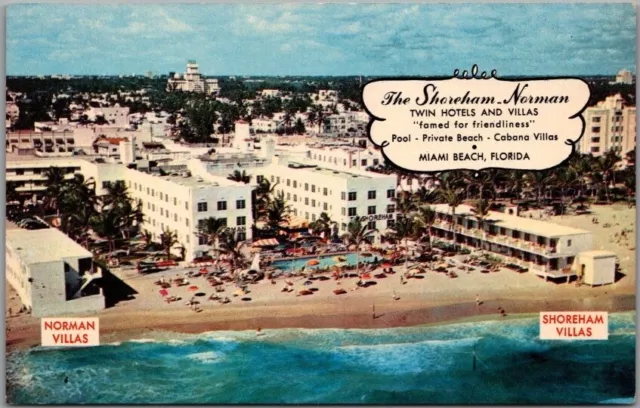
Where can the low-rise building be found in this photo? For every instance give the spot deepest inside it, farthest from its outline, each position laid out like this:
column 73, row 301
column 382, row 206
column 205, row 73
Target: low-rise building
column 624, row 76
column 546, row 249
column 51, row 273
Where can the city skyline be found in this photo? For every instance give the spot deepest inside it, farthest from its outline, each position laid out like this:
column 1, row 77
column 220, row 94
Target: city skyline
column 293, row 39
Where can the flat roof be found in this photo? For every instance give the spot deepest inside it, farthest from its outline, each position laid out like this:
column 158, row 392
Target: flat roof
column 597, row 253
column 195, row 180
column 524, row 224
column 45, row 245
column 344, row 174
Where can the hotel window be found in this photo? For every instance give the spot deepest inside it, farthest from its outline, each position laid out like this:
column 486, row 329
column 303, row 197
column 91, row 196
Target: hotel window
column 295, row 184
column 242, row 236
column 344, row 211
column 277, row 179
column 105, row 184
column 186, row 221
column 354, row 163
column 186, row 205
column 272, row 179
column 595, row 129
column 162, row 226
column 306, row 201
column 175, row 217
column 187, row 238
column 324, row 206
column 324, row 191
column 222, row 205
column 344, row 163
column 153, row 222
column 161, row 211
column 595, row 149
column 147, row 190
column 160, row 195
column 202, row 240
column 167, row 214
column 288, row 196
column 166, row 198
column 295, row 198
column 241, row 221
column 343, row 226
column 153, row 192
column 202, row 207
column 364, row 162
column 391, row 208
column 153, row 207
column 371, row 210
column 595, row 140
column 295, row 211
column 313, row 203
column 371, row 225
column 240, row 204
column 596, row 119
column 306, row 186
column 343, row 196
column 568, row 242
column 376, row 162
column 288, row 182
column 371, row 195
column 313, row 217
column 175, row 201
column 391, row 193
column 353, row 196
column 352, row 211
column 391, row 223
column 306, row 215
column 313, row 188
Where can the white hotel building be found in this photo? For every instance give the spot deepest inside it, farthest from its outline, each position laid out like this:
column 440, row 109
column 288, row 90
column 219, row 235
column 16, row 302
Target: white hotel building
column 311, row 189
column 51, row 273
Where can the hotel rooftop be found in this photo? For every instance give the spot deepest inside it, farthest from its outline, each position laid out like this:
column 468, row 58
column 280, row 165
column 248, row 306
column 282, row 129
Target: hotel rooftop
column 523, row 224
column 45, row 245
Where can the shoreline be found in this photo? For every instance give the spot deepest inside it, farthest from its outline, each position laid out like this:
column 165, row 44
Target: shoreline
column 118, row 326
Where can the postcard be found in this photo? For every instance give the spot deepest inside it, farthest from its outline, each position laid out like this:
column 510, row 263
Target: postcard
column 321, row 204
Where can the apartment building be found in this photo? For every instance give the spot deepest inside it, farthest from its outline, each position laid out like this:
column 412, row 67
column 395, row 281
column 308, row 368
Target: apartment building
column 546, row 249
column 611, row 124
column 192, row 81
column 624, row 76
column 51, row 279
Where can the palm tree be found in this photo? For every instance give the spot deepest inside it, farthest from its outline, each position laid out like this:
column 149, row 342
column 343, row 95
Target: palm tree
column 277, row 212
column 607, row 164
column 107, row 224
column 117, row 194
column 405, row 227
column 211, row 228
column 322, row 225
column 55, row 179
column 356, row 234
column 263, row 195
column 240, row 177
column 424, row 218
column 480, row 210
column 539, row 181
column 147, row 237
column 629, row 181
column 232, row 248
column 563, row 178
column 168, row 239
column 317, row 111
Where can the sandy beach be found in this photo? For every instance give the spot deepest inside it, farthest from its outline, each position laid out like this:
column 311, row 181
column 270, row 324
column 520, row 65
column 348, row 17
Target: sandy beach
column 436, row 298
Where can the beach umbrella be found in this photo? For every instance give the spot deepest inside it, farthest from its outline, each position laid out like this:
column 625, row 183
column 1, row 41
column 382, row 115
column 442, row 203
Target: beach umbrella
column 313, row 262
column 193, row 288
column 386, row 265
column 204, row 271
column 164, row 292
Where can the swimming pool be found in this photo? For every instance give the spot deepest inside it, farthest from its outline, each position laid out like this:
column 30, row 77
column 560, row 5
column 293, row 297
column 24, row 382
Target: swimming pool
column 325, row 261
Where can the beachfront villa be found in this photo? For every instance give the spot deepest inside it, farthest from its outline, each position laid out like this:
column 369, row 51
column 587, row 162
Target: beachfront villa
column 51, row 273
column 548, row 250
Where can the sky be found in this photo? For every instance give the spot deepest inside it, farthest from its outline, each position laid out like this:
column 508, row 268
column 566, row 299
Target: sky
column 316, row 39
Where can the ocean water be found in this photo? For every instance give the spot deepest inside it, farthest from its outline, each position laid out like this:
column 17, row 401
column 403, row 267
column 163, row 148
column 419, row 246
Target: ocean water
column 428, row 365
column 325, row 261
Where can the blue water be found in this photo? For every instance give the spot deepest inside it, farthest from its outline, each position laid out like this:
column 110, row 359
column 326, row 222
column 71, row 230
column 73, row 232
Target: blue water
column 325, row 261
column 389, row 366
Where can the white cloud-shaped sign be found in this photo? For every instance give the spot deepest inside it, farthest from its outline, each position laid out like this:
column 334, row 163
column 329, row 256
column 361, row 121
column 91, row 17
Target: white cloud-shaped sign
column 476, row 123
